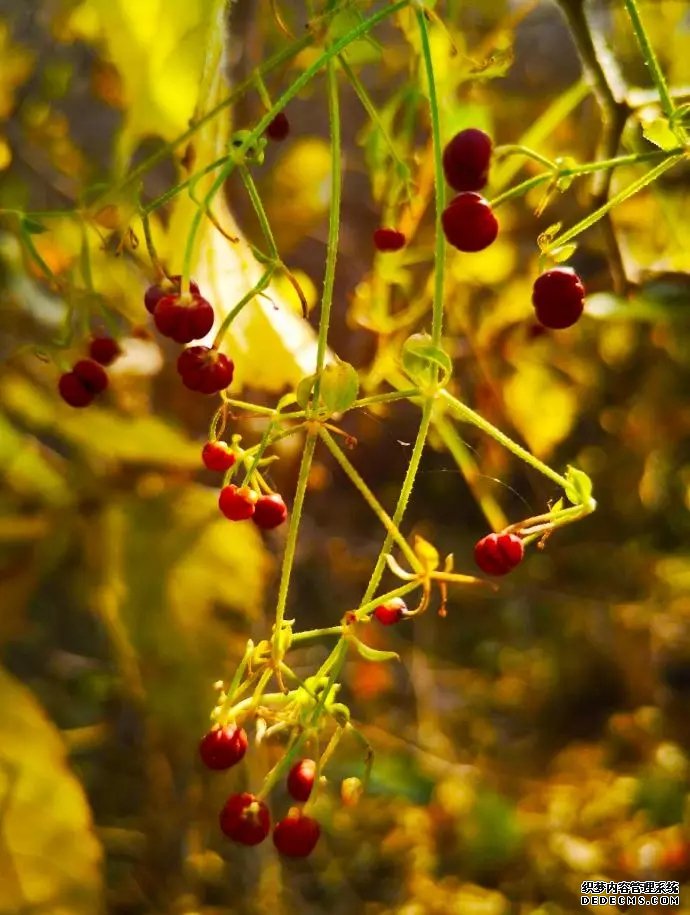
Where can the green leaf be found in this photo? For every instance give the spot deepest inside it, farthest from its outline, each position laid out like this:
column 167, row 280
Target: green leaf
column 579, row 488
column 304, row 390
column 421, row 360
column 563, row 252
column 374, row 654
column 32, row 226
column 50, row 860
column 339, row 386
column 658, row 131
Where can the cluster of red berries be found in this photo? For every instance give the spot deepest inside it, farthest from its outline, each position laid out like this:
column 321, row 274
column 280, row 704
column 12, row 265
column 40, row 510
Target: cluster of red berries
column 498, row 554
column 239, row 503
column 470, row 225
column 88, row 378
column 183, row 317
column 245, row 818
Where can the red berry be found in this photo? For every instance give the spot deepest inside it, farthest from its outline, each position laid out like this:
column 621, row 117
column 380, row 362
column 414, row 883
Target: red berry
column 204, row 369
column 217, row 456
column 183, row 317
column 466, row 160
column 558, row 297
column 469, row 223
column 73, row 391
column 245, row 819
column 269, row 511
column 389, row 239
column 104, row 350
column 279, row 127
column 237, row 502
column 300, row 779
column 391, row 612
column 92, row 376
column 498, row 554
column 223, row 747
column 170, row 286
column 296, row 835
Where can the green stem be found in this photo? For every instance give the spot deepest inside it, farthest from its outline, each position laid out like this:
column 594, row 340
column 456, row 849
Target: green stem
column 403, row 498
column 333, row 224
column 370, row 109
column 196, row 222
column 439, row 181
column 614, row 201
column 388, row 397
column 515, row 149
column 362, row 28
column 578, row 170
column 650, row 57
column 293, row 529
column 466, row 414
column 370, row 499
column 174, row 191
column 230, row 317
column 259, row 210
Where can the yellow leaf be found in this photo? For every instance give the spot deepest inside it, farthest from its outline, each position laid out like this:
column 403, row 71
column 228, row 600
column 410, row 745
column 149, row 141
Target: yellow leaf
column 49, row 857
column 540, row 406
column 426, row 553
column 160, row 49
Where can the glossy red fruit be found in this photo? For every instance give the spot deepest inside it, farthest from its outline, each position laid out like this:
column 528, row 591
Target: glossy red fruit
column 217, row 456
column 205, row 370
column 386, row 239
column 391, row 611
column 296, row 835
column 279, row 127
column 170, row 286
column 270, row 511
column 300, row 780
column 245, row 819
column 498, row 554
column 73, row 391
column 237, row 502
column 223, row 747
column 558, row 297
column 466, row 160
column 92, row 376
column 183, row 317
column 79, row 387
column 469, row 223
column 104, row 350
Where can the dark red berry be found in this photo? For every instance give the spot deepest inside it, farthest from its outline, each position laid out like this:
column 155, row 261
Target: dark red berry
column 73, row 391
column 498, row 554
column 300, row 779
column 270, row 511
column 183, row 317
column 279, row 127
column 204, row 369
column 223, row 747
column 296, row 835
column 469, row 223
column 245, row 819
column 217, row 456
column 389, row 239
column 558, row 297
column 170, row 286
column 237, row 502
column 91, row 375
column 391, row 611
column 466, row 160
column 104, row 350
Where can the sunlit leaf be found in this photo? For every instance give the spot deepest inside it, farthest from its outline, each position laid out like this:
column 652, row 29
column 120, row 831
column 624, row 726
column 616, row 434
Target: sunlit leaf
column 49, row 857
column 541, row 406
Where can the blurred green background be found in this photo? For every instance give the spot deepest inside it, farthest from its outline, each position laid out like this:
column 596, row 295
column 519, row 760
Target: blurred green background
column 530, row 740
